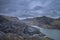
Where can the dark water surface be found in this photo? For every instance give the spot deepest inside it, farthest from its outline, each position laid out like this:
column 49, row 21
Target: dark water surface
column 52, row 33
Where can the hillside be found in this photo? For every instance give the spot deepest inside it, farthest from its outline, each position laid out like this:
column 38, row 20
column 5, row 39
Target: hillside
column 45, row 22
column 11, row 28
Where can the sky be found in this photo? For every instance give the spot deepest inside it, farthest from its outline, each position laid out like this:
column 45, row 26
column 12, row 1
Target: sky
column 30, row 8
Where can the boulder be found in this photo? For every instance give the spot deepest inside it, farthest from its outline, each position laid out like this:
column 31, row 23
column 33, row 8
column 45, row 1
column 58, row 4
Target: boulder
column 31, row 30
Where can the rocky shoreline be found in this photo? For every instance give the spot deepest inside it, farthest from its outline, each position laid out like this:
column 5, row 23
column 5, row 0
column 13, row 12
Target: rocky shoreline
column 11, row 28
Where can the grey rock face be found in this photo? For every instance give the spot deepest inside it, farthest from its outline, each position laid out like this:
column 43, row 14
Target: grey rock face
column 12, row 25
column 31, row 31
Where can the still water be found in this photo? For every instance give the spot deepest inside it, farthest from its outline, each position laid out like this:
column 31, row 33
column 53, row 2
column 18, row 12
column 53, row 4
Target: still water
column 52, row 33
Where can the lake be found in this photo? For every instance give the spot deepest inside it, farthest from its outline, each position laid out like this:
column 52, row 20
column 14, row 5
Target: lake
column 52, row 33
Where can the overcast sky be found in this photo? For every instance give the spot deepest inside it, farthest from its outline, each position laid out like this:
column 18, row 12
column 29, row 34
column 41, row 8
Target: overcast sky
column 30, row 7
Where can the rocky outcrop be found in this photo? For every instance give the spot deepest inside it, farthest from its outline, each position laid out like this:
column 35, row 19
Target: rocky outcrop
column 31, row 30
column 11, row 28
column 11, row 25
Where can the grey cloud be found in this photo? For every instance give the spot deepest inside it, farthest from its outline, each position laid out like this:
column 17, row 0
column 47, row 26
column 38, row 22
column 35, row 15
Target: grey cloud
column 30, row 7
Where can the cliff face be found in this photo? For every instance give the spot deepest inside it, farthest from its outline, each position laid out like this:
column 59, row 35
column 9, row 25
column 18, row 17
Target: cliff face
column 11, row 28
column 45, row 22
